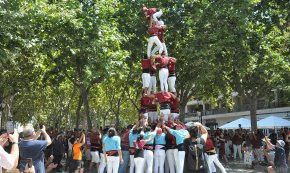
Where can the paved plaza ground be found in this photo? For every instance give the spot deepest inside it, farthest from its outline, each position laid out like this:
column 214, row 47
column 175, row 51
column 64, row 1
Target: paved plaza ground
column 234, row 167
column 239, row 166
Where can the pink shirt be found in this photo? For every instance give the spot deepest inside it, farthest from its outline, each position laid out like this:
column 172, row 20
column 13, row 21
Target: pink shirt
column 140, row 144
column 6, row 160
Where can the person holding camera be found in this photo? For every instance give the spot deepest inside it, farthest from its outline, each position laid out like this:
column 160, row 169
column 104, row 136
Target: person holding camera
column 30, row 147
column 280, row 163
column 9, row 161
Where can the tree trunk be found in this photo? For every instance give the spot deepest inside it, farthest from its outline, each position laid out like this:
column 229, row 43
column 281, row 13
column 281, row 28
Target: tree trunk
column 84, row 94
column 78, row 111
column 253, row 110
column 182, row 107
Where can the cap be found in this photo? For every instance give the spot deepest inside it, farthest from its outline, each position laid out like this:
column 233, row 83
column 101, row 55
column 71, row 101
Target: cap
column 281, row 143
column 159, row 131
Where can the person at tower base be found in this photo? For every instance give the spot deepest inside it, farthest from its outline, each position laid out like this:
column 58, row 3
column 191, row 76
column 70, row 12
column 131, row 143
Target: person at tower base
column 180, row 134
column 112, row 151
column 139, row 153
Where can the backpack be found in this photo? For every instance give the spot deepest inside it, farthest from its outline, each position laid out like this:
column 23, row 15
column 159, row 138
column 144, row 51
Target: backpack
column 194, row 156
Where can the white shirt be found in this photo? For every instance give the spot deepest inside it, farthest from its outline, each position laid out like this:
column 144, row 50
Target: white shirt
column 6, row 160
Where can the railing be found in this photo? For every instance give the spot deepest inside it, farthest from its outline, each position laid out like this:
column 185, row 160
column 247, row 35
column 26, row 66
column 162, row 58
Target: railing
column 245, row 107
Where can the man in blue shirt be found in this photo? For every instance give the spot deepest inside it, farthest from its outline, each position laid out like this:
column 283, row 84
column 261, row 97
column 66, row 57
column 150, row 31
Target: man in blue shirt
column 30, row 147
column 148, row 148
column 133, row 135
column 180, row 134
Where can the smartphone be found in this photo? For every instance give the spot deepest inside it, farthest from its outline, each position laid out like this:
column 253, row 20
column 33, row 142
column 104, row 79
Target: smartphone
column 10, row 127
column 29, row 162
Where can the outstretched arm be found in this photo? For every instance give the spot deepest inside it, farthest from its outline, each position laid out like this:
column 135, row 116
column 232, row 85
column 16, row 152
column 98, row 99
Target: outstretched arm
column 204, row 132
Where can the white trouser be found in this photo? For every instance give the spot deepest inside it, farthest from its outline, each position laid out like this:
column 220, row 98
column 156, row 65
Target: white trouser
column 139, row 164
column 211, row 166
column 148, row 156
column 179, row 160
column 132, row 161
column 237, row 148
column 163, row 76
column 102, row 164
column 213, row 160
column 166, row 113
column 95, row 157
column 113, row 164
column 171, row 160
column 152, row 85
column 153, row 116
column 159, row 159
column 146, row 80
column 174, row 116
column 166, row 165
column 157, row 48
column 157, row 15
column 155, row 40
column 171, row 84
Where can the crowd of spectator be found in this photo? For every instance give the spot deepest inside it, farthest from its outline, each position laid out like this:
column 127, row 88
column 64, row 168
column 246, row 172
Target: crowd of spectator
column 160, row 148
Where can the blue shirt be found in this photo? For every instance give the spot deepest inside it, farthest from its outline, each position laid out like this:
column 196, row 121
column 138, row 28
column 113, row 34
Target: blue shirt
column 112, row 143
column 147, row 136
column 280, row 157
column 179, row 135
column 132, row 137
column 160, row 139
column 33, row 149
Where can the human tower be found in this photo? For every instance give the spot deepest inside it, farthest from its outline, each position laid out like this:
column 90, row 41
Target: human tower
column 165, row 65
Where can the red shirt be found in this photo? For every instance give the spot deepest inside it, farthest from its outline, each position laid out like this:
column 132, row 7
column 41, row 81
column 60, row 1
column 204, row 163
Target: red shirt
column 140, row 144
column 125, row 139
column 162, row 60
column 153, row 31
column 95, row 138
column 146, row 63
column 164, row 97
column 150, row 12
column 145, row 102
column 174, row 105
column 171, row 65
column 209, row 144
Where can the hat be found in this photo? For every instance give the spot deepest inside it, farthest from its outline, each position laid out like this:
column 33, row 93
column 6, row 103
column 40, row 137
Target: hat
column 159, row 131
column 281, row 143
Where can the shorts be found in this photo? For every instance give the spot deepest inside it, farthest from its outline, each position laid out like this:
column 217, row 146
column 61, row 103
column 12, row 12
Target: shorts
column 95, row 157
column 77, row 164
